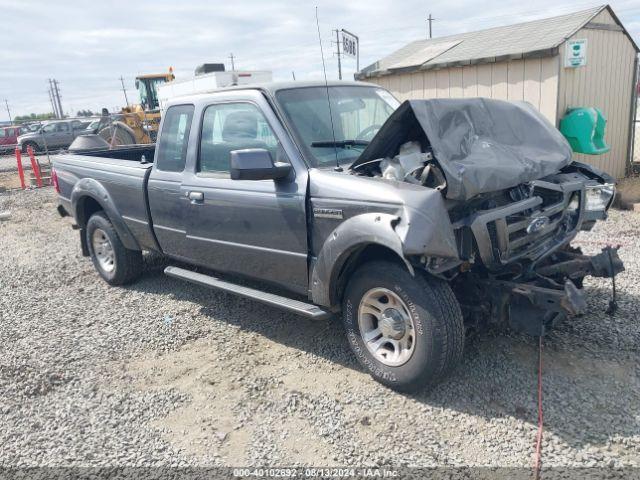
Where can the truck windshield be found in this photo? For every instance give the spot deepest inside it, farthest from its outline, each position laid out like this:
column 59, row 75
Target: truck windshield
column 357, row 112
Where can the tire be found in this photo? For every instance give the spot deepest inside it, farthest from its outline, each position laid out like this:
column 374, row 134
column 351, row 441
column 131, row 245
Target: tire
column 118, row 135
column 113, row 261
column 33, row 145
column 429, row 305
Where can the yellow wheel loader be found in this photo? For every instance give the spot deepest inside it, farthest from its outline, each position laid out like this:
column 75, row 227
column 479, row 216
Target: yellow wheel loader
column 138, row 123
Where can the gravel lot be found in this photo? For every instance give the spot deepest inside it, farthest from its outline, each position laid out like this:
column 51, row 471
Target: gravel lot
column 166, row 373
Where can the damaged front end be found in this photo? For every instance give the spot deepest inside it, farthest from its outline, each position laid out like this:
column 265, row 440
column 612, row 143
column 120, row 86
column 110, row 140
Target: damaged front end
column 515, row 200
column 531, row 305
column 520, row 269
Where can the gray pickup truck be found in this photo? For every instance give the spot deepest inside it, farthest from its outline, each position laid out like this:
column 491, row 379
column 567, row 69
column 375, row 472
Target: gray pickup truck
column 52, row 135
column 415, row 221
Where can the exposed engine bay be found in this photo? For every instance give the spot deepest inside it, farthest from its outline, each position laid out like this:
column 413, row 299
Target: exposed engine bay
column 410, row 165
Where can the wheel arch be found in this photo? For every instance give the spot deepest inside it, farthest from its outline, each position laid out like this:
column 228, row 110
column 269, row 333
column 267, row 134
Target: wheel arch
column 361, row 255
column 353, row 243
column 89, row 196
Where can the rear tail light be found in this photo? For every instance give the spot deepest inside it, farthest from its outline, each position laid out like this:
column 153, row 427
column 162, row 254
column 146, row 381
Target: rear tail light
column 54, row 180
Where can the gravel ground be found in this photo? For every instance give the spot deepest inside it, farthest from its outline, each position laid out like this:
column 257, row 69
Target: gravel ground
column 167, row 373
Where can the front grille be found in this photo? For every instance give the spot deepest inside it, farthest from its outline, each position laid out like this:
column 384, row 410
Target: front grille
column 549, row 197
column 526, row 229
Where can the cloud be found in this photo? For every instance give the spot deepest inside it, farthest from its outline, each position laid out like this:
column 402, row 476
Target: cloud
column 87, row 46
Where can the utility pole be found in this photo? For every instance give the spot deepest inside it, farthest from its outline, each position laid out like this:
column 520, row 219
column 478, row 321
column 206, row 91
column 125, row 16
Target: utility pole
column 339, row 54
column 124, row 90
column 52, row 105
column 53, row 99
column 55, row 84
column 56, row 97
column 293, row 74
column 429, row 20
column 233, row 66
column 8, row 111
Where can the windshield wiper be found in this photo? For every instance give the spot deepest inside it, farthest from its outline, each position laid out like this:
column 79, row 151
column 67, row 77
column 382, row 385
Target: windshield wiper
column 339, row 143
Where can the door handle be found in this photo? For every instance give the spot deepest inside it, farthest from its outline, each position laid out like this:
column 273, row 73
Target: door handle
column 196, row 197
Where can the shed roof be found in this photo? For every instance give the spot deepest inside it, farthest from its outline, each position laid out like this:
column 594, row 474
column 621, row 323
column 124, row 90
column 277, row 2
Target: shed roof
column 537, row 38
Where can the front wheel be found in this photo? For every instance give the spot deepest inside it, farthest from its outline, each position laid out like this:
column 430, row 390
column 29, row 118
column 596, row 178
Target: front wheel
column 406, row 331
column 114, row 262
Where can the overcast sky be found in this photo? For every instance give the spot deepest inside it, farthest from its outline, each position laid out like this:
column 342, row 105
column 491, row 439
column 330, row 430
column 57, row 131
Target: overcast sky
column 88, row 45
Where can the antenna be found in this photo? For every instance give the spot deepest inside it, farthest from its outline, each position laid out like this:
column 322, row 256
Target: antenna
column 326, row 85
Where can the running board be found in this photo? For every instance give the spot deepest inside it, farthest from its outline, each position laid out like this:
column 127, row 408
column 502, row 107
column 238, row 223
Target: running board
column 295, row 306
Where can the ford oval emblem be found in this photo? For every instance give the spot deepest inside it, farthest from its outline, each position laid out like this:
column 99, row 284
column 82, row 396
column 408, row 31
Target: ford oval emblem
column 537, row 224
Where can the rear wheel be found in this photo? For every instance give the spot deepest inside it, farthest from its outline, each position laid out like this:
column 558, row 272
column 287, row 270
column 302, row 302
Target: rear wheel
column 114, row 262
column 406, row 331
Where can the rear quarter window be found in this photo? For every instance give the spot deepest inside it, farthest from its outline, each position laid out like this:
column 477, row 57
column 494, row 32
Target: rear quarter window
column 174, row 138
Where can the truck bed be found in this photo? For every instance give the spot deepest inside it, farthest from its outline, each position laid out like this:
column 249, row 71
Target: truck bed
column 119, row 172
column 127, row 152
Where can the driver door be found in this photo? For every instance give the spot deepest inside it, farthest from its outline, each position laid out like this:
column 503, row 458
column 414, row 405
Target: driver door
column 255, row 228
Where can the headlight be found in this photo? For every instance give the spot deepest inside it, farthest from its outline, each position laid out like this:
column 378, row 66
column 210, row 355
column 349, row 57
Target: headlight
column 599, row 196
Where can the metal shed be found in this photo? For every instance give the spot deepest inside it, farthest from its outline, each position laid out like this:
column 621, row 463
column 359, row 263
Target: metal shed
column 527, row 62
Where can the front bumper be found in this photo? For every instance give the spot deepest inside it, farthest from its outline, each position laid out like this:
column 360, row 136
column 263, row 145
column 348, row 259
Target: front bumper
column 530, row 307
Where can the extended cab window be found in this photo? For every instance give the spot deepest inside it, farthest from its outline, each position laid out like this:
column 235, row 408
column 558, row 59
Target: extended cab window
column 232, row 126
column 172, row 149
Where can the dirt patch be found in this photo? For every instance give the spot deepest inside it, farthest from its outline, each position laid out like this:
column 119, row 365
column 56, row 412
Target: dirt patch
column 214, row 421
column 9, row 181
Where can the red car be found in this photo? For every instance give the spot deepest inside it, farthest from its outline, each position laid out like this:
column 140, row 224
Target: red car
column 9, row 138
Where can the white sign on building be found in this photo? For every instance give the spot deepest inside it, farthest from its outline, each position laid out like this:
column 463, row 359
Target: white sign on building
column 575, row 53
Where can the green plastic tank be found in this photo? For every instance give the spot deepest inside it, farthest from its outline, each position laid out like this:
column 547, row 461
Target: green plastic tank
column 584, row 128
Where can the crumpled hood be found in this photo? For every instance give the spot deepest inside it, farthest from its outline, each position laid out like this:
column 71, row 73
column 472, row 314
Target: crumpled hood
column 482, row 145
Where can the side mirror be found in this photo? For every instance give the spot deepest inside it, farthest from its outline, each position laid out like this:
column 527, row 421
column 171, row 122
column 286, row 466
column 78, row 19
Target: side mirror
column 256, row 164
